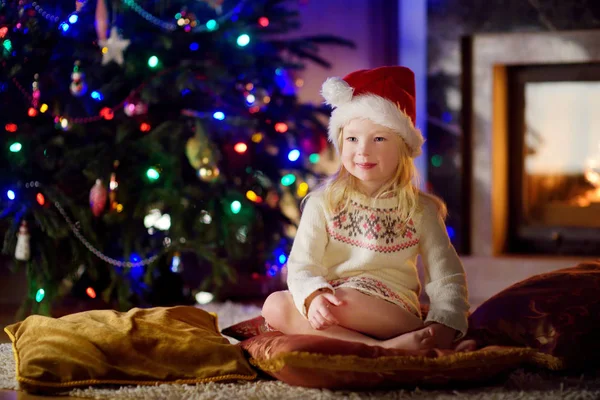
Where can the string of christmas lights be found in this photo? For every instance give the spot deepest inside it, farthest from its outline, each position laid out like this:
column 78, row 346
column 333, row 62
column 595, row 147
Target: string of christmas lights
column 210, row 25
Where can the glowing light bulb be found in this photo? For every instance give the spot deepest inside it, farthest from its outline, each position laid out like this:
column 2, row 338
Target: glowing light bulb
column 288, row 179
column 243, row 40
column 39, row 296
column 236, row 207
column 153, row 62
column 240, row 147
column 15, row 147
column 294, row 155
column 152, row 174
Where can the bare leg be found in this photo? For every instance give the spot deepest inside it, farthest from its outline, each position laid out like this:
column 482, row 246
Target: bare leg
column 280, row 312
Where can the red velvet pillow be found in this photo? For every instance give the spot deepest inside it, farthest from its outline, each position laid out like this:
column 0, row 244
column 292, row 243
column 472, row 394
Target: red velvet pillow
column 556, row 313
column 255, row 326
column 247, row 329
column 319, row 362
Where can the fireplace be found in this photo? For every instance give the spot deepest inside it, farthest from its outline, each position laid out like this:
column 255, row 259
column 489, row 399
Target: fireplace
column 532, row 143
column 554, row 142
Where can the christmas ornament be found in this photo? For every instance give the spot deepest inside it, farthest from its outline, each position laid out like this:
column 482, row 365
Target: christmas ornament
column 35, row 95
column 22, row 251
column 113, row 47
column 198, row 149
column 101, row 20
column 78, row 86
column 98, row 198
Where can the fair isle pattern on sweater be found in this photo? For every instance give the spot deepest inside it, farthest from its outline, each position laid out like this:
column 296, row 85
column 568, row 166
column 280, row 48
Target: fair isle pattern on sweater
column 380, row 230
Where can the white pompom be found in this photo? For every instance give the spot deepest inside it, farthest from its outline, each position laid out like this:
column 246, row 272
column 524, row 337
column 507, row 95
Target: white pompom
column 336, row 91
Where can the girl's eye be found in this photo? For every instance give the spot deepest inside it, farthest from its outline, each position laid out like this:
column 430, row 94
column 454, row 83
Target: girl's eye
column 351, row 139
column 380, row 139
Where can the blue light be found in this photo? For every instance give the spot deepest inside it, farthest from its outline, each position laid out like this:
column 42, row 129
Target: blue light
column 134, row 258
column 219, row 115
column 11, row 195
column 64, row 26
column 294, row 155
column 279, row 71
column 194, row 46
column 136, row 272
column 272, row 271
column 451, row 232
column 447, row 117
column 175, row 264
column 250, row 99
column 282, row 259
column 73, row 18
column 97, row 96
column 185, row 91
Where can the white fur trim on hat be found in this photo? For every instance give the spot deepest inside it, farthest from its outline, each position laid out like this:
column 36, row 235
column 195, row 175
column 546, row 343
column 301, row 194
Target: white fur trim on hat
column 379, row 110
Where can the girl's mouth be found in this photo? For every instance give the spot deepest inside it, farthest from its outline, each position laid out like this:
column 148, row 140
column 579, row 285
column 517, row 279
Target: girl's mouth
column 365, row 165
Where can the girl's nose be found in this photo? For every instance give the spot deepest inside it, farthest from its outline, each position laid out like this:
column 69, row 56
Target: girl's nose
column 363, row 148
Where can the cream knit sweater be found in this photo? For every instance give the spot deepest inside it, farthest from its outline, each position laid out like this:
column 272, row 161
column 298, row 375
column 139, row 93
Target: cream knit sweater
column 370, row 243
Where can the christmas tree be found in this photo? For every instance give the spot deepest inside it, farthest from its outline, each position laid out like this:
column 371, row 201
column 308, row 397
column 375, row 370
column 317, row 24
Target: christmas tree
column 139, row 133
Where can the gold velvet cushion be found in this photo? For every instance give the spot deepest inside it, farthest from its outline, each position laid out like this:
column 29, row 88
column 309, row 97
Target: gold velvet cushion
column 140, row 347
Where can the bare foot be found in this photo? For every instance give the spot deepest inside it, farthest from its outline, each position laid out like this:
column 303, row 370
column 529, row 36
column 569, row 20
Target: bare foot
column 466, row 345
column 416, row 340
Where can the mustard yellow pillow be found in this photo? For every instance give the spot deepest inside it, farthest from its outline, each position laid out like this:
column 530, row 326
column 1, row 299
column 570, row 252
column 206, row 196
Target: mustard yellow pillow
column 139, row 347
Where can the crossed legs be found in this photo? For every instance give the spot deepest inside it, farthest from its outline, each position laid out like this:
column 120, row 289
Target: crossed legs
column 362, row 318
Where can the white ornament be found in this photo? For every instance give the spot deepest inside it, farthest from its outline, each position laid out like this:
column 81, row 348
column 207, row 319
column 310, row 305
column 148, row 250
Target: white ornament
column 115, row 46
column 22, row 251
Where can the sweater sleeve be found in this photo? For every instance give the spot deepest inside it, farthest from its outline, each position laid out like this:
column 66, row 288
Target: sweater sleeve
column 306, row 272
column 445, row 280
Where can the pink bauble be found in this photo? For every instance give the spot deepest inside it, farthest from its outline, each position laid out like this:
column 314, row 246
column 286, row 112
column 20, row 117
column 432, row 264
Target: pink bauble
column 98, row 196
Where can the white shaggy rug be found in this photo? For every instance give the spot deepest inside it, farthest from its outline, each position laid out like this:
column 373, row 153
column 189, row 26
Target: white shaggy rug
column 520, row 385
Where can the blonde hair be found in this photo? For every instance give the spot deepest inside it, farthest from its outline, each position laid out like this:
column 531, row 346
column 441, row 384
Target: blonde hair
column 339, row 188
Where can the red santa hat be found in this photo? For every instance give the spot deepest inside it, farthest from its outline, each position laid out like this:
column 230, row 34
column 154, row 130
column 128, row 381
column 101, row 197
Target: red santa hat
column 384, row 95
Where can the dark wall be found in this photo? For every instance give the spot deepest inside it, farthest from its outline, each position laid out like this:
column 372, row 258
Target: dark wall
column 448, row 22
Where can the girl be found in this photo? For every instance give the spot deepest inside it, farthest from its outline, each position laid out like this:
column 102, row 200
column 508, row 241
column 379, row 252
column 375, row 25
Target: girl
column 352, row 270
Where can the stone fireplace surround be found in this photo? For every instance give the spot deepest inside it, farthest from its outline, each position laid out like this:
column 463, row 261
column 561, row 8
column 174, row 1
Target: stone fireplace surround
column 486, row 58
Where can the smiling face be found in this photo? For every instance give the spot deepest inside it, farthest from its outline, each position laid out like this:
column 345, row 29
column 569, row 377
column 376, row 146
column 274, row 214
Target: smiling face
column 370, row 152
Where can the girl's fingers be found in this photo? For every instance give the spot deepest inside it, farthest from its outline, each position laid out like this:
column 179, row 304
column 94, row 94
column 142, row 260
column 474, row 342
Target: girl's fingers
column 328, row 316
column 332, row 299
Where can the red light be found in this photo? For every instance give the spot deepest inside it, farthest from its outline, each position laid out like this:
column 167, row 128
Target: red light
column 263, row 21
column 40, row 199
column 3, row 32
column 145, row 127
column 240, row 147
column 91, row 292
column 281, row 127
column 107, row 113
column 32, row 112
column 10, row 128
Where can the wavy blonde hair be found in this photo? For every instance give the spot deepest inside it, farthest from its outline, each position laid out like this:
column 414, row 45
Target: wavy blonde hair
column 339, row 188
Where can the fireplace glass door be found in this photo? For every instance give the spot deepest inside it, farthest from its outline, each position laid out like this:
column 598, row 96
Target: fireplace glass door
column 554, row 119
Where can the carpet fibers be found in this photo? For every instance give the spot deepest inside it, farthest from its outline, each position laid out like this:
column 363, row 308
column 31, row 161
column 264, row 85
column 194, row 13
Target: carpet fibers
column 519, row 385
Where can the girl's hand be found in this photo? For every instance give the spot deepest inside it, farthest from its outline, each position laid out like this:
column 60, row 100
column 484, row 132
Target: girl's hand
column 319, row 313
